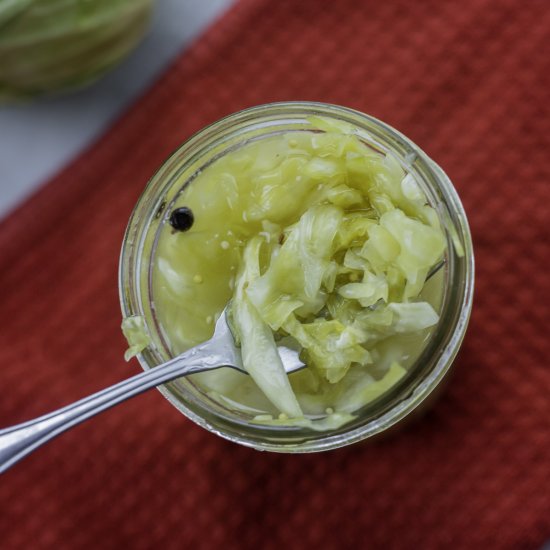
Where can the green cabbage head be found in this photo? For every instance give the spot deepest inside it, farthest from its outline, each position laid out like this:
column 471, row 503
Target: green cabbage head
column 53, row 45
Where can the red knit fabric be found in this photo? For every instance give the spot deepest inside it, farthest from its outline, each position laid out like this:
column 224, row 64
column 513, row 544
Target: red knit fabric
column 468, row 81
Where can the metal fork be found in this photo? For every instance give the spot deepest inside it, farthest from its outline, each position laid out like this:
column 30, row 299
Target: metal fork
column 220, row 351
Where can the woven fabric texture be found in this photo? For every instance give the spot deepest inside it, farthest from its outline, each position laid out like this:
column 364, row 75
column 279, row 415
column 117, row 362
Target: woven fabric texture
column 468, row 81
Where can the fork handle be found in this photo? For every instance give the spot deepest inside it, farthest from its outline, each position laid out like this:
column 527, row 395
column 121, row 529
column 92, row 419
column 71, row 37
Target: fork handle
column 20, row 440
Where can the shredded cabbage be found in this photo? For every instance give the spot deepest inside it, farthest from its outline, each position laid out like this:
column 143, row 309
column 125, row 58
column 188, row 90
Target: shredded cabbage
column 135, row 332
column 295, row 274
column 259, row 351
column 327, row 245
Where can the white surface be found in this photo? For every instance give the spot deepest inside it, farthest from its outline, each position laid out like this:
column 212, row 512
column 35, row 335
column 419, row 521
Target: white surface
column 36, row 140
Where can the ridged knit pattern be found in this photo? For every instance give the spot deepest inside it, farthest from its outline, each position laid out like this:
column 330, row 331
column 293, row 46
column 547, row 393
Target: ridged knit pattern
column 468, row 82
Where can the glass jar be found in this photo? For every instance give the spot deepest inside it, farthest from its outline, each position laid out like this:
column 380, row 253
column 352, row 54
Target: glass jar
column 225, row 136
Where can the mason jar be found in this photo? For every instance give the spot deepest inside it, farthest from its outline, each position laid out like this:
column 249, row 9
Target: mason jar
column 225, row 136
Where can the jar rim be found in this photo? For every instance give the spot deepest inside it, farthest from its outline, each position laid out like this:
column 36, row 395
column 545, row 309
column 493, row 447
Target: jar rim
column 271, row 115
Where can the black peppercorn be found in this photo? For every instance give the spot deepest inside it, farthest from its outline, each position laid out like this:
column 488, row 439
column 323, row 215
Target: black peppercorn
column 181, row 219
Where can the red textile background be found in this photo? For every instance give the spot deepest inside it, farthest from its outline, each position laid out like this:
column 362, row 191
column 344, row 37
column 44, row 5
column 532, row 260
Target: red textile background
column 468, row 81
